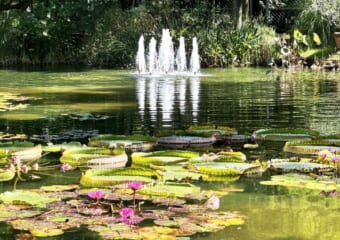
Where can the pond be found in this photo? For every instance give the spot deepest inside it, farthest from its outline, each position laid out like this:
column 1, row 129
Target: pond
column 247, row 99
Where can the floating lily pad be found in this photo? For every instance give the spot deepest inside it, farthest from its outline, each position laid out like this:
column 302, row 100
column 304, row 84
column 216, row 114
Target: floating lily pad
column 301, row 181
column 162, row 157
column 310, row 147
column 11, row 212
column 26, row 198
column 284, row 134
column 6, row 175
column 303, row 167
column 177, row 173
column 170, row 190
column 226, row 168
column 7, row 148
column 28, row 154
column 61, row 147
column 137, row 142
column 231, row 157
column 107, row 177
column 80, row 156
column 181, row 142
column 58, row 188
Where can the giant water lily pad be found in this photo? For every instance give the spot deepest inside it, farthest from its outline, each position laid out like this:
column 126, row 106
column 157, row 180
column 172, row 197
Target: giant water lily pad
column 310, row 147
column 28, row 154
column 107, row 177
column 80, row 156
column 302, row 181
column 170, row 190
column 137, row 142
column 303, row 167
column 6, row 175
column 168, row 157
column 177, row 173
column 7, row 148
column 207, row 130
column 26, row 198
column 181, row 142
column 226, row 168
column 11, row 212
column 284, row 134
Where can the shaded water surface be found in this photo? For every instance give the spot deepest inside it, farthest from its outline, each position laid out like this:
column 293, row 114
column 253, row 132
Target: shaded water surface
column 246, row 99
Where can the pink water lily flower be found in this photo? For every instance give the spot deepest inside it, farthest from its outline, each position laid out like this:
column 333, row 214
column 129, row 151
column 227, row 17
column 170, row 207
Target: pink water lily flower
column 213, row 203
column 16, row 160
column 135, row 185
column 126, row 212
column 127, row 216
column 65, row 167
column 335, row 159
column 97, row 194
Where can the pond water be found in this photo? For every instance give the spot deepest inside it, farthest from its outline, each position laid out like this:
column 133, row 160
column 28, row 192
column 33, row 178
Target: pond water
column 246, row 99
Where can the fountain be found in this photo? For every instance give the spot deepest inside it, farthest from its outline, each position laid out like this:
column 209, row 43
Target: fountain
column 165, row 61
column 140, row 59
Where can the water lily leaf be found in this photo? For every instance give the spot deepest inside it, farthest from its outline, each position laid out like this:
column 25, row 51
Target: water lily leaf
column 285, row 134
column 29, row 154
column 26, row 198
column 6, row 175
column 311, row 147
column 226, row 168
column 146, row 159
column 227, row 222
column 166, row 222
column 156, row 214
column 108, row 177
column 61, row 147
column 46, row 232
column 176, row 173
column 170, row 190
column 168, row 201
column 302, row 167
column 58, row 188
column 11, row 212
column 80, row 156
column 301, row 181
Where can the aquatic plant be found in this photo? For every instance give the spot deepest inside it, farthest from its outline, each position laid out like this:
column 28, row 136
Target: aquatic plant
column 97, row 195
column 65, row 167
column 135, row 185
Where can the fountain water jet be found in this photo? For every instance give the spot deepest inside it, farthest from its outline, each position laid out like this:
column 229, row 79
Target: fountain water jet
column 140, row 58
column 165, row 62
column 181, row 59
column 194, row 59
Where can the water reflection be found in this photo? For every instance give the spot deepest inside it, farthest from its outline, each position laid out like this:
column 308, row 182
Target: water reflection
column 162, row 98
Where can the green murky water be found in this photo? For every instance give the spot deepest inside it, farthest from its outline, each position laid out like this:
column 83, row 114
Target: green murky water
column 246, row 99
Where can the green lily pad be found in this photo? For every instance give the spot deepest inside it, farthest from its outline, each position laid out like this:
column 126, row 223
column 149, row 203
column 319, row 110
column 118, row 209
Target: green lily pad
column 168, row 157
column 11, row 212
column 80, row 156
column 58, row 188
column 46, row 232
column 26, row 198
column 310, row 147
column 108, row 177
column 226, row 168
column 285, row 134
column 6, row 175
column 176, row 173
column 301, row 181
column 170, row 190
column 303, row 167
column 139, row 142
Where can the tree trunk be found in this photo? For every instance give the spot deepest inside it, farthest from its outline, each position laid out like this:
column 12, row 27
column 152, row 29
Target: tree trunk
column 240, row 11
